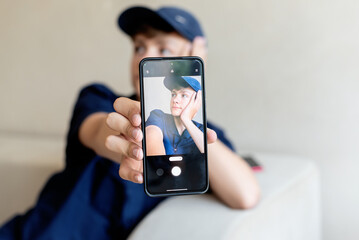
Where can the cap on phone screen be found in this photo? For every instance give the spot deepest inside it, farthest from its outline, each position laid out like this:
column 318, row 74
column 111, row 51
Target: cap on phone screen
column 172, row 82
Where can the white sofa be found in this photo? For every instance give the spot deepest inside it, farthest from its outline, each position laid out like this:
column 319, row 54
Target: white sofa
column 289, row 208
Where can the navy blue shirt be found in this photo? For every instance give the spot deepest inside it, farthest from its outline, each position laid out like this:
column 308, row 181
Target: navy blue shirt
column 173, row 142
column 88, row 199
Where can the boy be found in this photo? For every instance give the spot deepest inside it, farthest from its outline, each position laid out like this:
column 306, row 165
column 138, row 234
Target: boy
column 91, row 198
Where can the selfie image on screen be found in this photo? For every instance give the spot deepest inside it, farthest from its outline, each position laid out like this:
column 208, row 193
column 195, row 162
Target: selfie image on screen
column 174, row 132
column 171, row 127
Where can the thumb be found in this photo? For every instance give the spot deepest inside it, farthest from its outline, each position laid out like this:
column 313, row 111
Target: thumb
column 211, row 136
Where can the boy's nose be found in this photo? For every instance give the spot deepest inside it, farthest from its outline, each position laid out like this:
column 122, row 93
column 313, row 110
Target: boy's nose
column 151, row 52
column 176, row 100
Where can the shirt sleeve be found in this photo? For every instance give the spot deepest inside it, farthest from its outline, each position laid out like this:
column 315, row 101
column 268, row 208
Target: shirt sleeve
column 221, row 135
column 92, row 98
column 156, row 118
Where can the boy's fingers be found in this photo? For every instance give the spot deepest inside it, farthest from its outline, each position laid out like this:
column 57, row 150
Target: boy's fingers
column 123, row 126
column 130, row 109
column 193, row 98
column 130, row 174
column 199, row 48
column 122, row 146
column 199, row 96
column 186, row 50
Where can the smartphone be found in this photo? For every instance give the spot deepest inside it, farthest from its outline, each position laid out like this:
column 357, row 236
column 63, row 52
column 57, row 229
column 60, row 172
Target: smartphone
column 253, row 163
column 174, row 126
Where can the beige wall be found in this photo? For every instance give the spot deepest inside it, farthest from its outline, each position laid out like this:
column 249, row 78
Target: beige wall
column 287, row 71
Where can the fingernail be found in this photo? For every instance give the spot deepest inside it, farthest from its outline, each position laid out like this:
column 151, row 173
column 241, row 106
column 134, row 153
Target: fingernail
column 135, row 133
column 136, row 152
column 136, row 119
column 139, row 178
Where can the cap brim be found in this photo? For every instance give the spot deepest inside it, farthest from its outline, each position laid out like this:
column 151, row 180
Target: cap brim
column 132, row 18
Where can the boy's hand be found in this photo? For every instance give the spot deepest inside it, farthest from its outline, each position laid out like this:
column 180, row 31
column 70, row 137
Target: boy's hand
column 126, row 121
column 196, row 48
column 192, row 107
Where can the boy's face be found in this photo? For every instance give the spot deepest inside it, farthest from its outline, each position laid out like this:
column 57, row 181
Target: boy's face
column 156, row 44
column 180, row 99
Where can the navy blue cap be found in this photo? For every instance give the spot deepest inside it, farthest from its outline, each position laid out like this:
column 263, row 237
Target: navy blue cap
column 173, row 82
column 180, row 20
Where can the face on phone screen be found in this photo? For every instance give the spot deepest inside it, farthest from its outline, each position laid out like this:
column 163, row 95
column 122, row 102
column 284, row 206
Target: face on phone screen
column 175, row 147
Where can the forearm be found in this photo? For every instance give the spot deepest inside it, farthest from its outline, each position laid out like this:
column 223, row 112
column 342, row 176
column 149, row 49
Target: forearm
column 154, row 141
column 231, row 179
column 196, row 134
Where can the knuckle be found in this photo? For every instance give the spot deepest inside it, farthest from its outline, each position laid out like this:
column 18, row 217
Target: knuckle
column 131, row 112
column 120, row 100
column 121, row 172
column 130, row 150
column 108, row 142
column 133, row 177
column 118, row 103
column 109, row 119
column 128, row 130
column 123, row 150
column 120, row 158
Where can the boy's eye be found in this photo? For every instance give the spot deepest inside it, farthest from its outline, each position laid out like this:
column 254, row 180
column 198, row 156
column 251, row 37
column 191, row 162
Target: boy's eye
column 166, row 52
column 139, row 50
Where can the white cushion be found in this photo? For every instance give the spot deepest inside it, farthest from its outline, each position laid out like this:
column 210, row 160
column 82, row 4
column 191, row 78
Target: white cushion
column 289, row 209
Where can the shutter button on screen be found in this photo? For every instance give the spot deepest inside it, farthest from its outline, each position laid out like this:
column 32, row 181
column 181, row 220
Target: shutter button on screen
column 176, row 171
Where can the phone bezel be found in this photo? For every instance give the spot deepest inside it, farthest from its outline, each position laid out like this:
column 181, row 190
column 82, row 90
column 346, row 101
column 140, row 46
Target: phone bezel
column 141, row 76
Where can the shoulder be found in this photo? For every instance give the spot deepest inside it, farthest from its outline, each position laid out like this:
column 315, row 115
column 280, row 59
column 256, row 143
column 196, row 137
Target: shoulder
column 97, row 97
column 158, row 117
column 153, row 132
column 158, row 114
column 99, row 89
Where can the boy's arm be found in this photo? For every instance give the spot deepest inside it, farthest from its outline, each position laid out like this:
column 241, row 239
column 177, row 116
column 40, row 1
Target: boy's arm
column 117, row 136
column 231, row 178
column 154, row 139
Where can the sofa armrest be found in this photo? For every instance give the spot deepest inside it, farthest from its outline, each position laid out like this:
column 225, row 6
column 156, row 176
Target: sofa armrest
column 289, row 209
column 26, row 162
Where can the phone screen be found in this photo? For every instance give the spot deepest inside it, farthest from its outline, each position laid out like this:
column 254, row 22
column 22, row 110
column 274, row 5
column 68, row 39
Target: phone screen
column 174, row 126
